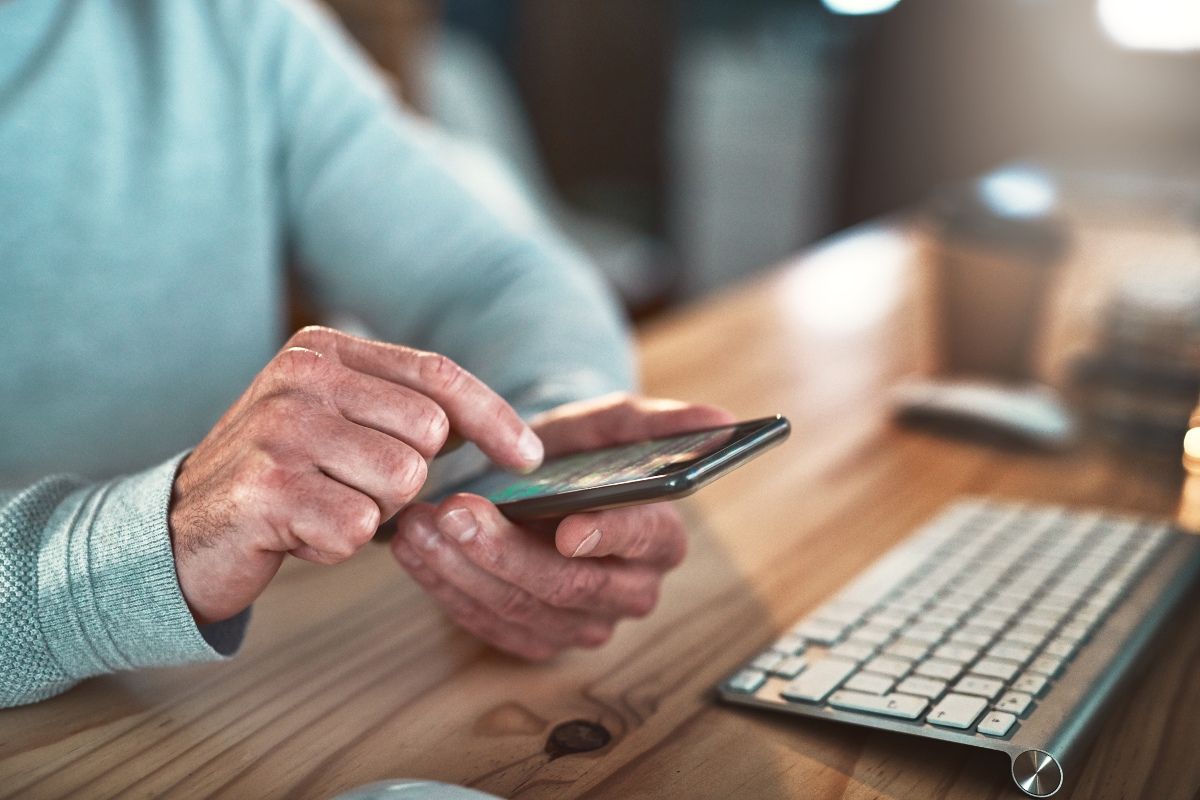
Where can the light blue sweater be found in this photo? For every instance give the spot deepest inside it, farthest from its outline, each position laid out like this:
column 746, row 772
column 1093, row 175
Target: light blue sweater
column 159, row 163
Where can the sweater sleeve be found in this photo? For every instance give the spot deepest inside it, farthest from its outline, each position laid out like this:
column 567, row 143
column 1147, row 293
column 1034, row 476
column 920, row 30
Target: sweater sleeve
column 88, row 585
column 386, row 228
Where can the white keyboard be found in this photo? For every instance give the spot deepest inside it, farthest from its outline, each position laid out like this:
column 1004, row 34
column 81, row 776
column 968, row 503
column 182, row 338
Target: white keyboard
column 995, row 624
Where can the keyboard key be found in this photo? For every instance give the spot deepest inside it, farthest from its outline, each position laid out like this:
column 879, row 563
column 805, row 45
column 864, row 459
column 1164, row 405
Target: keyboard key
column 981, row 687
column 941, row 616
column 956, row 652
column 913, row 651
column 924, row 687
column 870, row 683
column 957, row 711
column 889, row 665
column 856, row 651
column 1061, row 647
column 746, row 681
column 1027, row 635
column 1009, row 604
column 926, row 632
column 1075, row 630
column 1014, row 702
column 1048, row 618
column 1030, row 683
column 936, row 668
column 988, row 618
column 819, row 680
column 1011, row 651
column 992, row 626
column 767, row 661
column 790, row 667
column 975, row 637
column 840, row 612
column 889, row 618
column 995, row 668
column 789, row 644
column 996, row 723
column 1055, row 604
column 892, row 705
column 872, row 634
column 820, row 632
column 1046, row 665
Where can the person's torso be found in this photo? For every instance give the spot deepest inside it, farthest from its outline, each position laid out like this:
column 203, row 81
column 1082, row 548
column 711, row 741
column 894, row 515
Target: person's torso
column 140, row 240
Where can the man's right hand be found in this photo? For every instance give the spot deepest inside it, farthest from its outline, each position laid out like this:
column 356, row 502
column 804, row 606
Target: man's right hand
column 332, row 438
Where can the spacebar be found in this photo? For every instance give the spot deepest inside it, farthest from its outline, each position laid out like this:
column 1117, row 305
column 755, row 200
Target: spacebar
column 904, row 706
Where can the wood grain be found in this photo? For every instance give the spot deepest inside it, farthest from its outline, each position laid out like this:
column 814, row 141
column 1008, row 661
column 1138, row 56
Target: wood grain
column 349, row 675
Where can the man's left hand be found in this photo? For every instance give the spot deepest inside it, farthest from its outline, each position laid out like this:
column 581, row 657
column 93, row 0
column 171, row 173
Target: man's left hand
column 532, row 594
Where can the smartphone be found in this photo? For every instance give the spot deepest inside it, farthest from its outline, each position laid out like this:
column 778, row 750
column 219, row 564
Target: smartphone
column 641, row 472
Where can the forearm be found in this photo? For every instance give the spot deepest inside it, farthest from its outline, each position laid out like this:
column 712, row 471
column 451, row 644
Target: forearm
column 90, row 585
column 388, row 226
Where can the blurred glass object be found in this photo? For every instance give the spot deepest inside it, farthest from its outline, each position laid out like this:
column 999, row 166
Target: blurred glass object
column 858, row 7
column 1001, row 239
column 1151, row 24
column 1140, row 383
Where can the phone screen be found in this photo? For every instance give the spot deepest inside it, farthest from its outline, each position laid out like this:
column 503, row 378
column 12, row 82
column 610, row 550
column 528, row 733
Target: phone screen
column 615, row 465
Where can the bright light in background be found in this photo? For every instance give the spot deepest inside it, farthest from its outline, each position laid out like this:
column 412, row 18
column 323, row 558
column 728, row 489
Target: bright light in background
column 826, row 298
column 859, row 6
column 1152, row 24
column 1018, row 192
column 1191, row 444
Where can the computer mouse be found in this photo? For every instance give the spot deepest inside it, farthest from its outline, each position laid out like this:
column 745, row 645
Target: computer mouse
column 1031, row 414
column 413, row 789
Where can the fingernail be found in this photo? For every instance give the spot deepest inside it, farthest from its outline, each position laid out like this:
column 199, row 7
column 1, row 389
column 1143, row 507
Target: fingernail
column 423, row 535
column 459, row 524
column 529, row 446
column 588, row 544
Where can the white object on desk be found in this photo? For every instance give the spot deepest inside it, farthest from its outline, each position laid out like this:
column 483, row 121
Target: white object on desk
column 1032, row 412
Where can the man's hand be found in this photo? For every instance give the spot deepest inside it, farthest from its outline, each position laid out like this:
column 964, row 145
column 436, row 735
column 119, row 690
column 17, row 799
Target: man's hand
column 532, row 591
column 332, row 438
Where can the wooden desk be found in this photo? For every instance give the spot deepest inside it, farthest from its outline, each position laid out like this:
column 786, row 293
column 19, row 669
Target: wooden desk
column 349, row 675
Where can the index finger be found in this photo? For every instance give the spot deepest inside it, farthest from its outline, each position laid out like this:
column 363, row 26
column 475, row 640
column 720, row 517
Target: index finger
column 652, row 534
column 475, row 411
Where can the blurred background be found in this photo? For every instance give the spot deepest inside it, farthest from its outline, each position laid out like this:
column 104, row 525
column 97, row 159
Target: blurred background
column 686, row 144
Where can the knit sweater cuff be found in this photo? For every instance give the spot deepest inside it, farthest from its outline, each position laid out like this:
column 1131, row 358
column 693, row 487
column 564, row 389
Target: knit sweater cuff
column 108, row 595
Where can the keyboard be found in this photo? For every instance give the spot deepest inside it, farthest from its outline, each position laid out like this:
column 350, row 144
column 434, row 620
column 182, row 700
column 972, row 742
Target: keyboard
column 998, row 625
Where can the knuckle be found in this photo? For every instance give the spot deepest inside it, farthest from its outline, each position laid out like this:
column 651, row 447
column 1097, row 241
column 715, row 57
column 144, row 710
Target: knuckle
column 360, row 527
column 280, row 416
column 335, row 553
column 406, row 472
column 298, row 365
column 267, row 469
column 432, row 428
column 577, row 585
column 311, row 336
column 516, row 605
column 642, row 543
column 439, row 370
